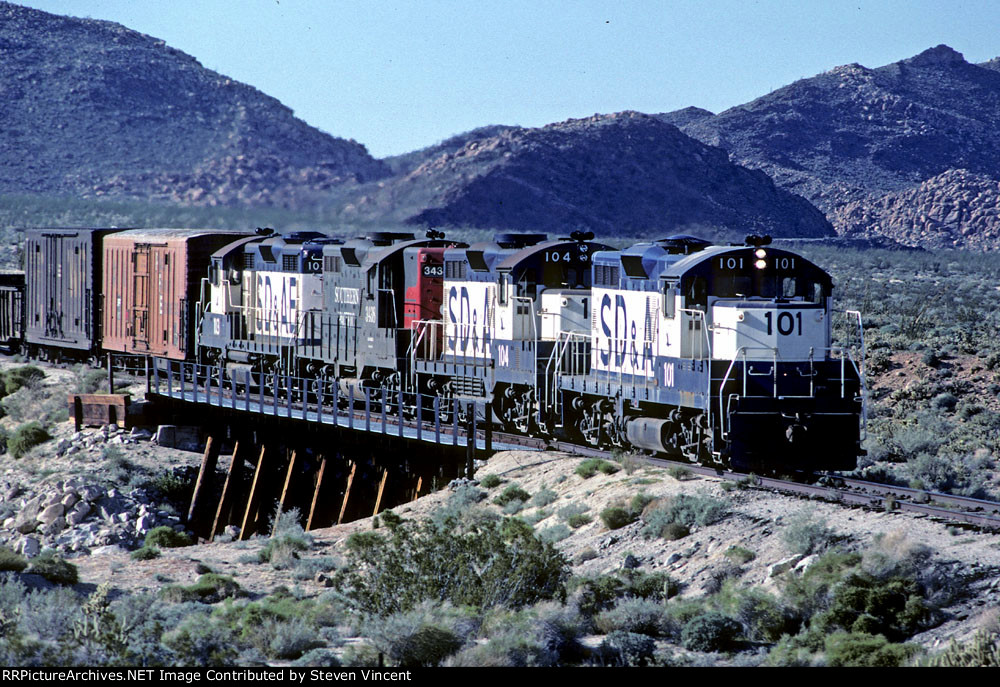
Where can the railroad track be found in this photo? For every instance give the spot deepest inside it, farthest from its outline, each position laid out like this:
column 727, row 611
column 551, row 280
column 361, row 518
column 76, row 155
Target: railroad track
column 828, row 487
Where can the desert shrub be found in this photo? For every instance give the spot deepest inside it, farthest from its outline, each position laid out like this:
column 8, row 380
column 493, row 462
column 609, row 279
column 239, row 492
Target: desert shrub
column 544, row 635
column 878, row 361
column 203, row 642
column 53, row 568
column 935, row 474
column 491, row 481
column 308, row 568
column 146, row 553
column 945, row 401
column 171, row 487
column 542, row 498
column 318, row 658
column 288, row 539
column 643, row 585
column 710, row 631
column 288, row 639
column 483, row 564
column 865, row 604
column 673, row 517
column 536, row 517
column 11, row 561
column 422, row 637
column 739, row 555
column 866, row 651
column 627, row 649
column 601, row 592
column 810, row 592
column 26, row 437
column 616, row 517
column 19, row 377
column 512, row 493
column 643, row 616
column 680, row 473
column 167, row 537
column 89, row 380
column 554, row 534
column 567, row 512
column 659, row 523
column 579, row 520
column 210, row 588
column 806, row 534
column 461, row 505
column 282, row 550
column 513, row 507
column 762, row 616
column 592, row 466
column 982, row 651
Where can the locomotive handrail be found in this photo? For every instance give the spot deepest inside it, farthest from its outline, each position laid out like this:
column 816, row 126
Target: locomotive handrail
column 862, row 373
column 700, row 314
column 555, row 373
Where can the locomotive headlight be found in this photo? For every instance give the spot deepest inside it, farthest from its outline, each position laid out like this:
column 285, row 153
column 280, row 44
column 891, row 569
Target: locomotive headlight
column 760, row 253
column 760, row 264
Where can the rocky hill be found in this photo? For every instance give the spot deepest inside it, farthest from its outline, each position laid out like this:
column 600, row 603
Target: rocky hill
column 852, row 134
column 619, row 174
column 92, row 108
column 956, row 209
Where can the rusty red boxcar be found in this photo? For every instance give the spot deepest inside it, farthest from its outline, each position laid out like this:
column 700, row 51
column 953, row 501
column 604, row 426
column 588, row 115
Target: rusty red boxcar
column 152, row 280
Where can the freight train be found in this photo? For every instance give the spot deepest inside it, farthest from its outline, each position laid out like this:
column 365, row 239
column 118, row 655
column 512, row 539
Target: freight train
column 719, row 354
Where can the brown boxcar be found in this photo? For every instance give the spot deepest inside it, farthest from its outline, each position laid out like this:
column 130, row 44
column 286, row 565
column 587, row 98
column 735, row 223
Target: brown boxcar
column 62, row 291
column 11, row 310
column 152, row 281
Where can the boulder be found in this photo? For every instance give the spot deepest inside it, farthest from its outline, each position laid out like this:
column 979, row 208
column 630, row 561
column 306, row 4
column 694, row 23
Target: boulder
column 47, row 516
column 29, row 547
column 783, row 565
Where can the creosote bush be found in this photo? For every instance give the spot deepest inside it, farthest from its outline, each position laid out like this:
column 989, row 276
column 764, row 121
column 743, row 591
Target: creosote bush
column 710, row 631
column 512, row 493
column 145, row 553
column 674, row 517
column 167, row 538
column 53, row 568
column 616, row 517
column 490, row 481
column 26, row 437
column 592, row 466
column 282, row 549
column 11, row 561
column 20, row 377
column 484, row 564
column 210, row 588
column 806, row 534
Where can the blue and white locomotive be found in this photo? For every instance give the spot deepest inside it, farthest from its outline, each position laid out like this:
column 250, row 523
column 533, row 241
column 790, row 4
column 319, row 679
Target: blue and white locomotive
column 720, row 354
column 717, row 353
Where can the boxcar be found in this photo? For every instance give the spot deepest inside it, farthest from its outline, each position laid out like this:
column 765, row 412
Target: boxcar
column 152, row 280
column 11, row 310
column 62, row 291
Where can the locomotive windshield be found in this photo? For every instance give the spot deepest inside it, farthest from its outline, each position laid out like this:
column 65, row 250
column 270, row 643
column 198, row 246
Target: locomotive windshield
column 768, row 286
column 744, row 275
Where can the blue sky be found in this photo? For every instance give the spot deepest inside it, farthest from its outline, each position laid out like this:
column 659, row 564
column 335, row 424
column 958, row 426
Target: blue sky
column 397, row 76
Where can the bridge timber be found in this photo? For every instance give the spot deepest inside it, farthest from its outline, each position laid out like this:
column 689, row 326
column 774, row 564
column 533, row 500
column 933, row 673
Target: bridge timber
column 296, row 443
